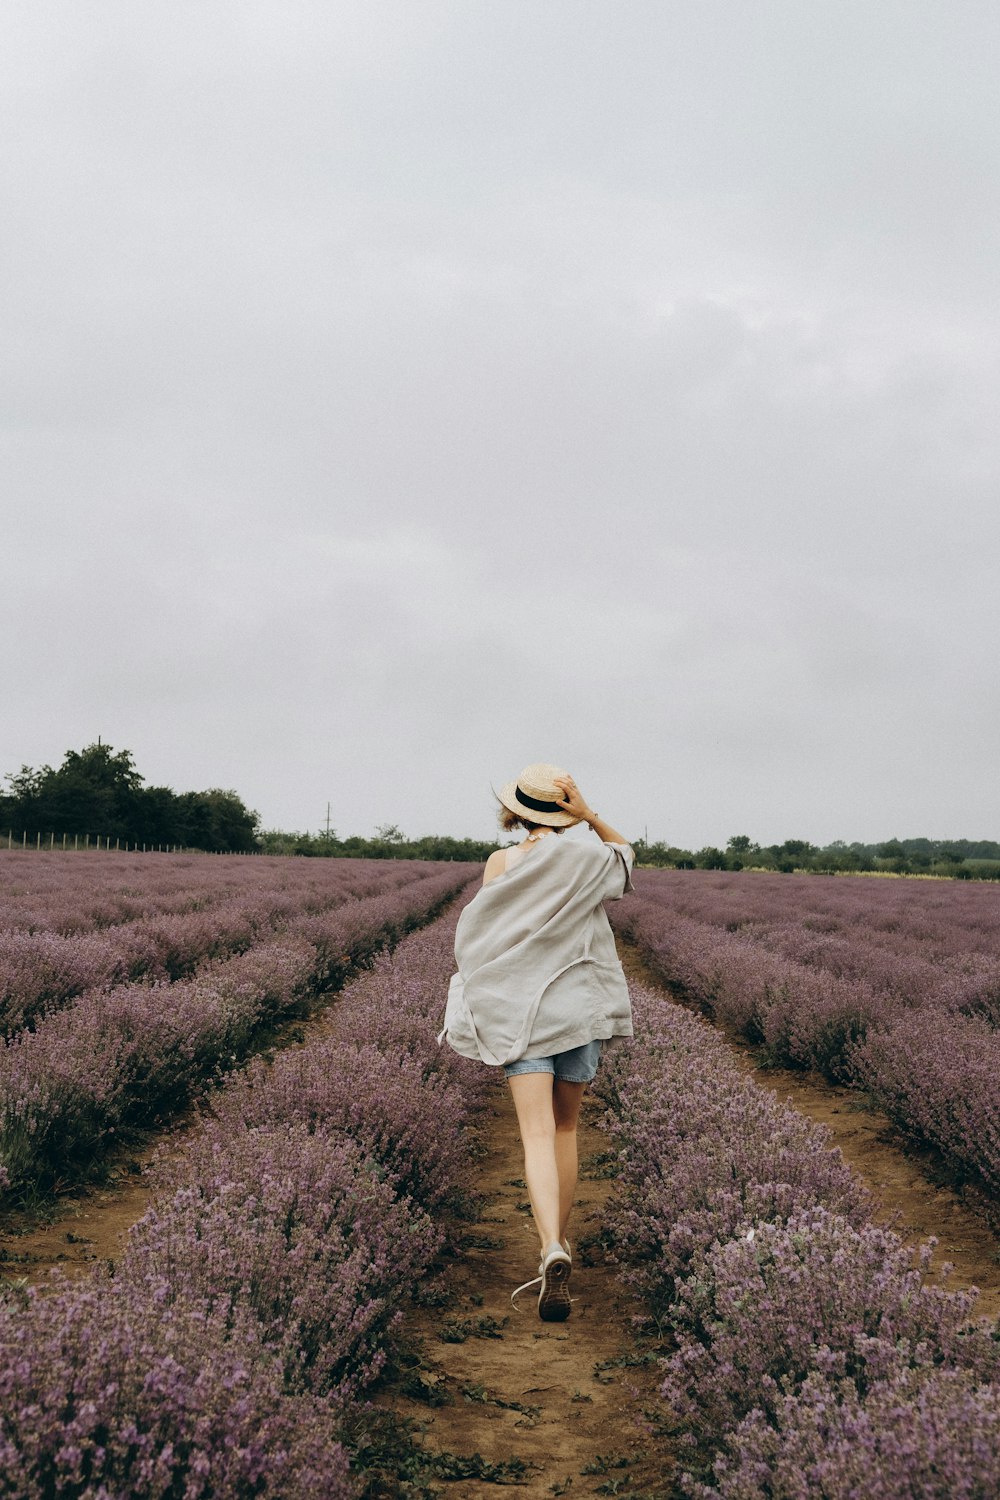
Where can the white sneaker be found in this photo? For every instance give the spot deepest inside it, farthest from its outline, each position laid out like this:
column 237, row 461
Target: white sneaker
column 554, row 1298
column 554, row 1271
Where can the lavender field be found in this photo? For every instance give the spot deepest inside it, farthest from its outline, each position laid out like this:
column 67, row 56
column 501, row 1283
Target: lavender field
column 228, row 1351
column 803, row 1353
column 234, row 1346
column 127, row 983
column 892, row 986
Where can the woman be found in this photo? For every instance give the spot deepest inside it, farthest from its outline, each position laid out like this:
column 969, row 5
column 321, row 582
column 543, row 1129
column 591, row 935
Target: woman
column 540, row 990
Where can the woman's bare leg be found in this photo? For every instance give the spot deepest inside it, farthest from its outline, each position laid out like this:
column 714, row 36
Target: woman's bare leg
column 532, row 1093
column 566, row 1101
column 547, row 1118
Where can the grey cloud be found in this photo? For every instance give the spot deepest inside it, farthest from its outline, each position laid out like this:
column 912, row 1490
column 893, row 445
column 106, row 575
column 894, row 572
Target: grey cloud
column 389, row 392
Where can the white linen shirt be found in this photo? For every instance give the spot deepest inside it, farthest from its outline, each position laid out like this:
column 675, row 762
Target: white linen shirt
column 538, row 972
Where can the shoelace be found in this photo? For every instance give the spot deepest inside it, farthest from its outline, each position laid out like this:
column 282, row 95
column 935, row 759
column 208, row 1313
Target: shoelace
column 535, row 1281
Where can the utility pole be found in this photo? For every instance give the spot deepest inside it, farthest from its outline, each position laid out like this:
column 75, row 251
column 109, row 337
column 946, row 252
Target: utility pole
column 328, row 822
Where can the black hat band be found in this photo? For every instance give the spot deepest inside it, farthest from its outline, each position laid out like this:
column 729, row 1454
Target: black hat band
column 534, row 803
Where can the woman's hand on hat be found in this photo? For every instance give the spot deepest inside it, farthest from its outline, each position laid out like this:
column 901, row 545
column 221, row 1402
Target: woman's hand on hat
column 573, row 800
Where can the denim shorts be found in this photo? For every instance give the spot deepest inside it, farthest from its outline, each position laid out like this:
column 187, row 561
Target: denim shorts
column 578, row 1065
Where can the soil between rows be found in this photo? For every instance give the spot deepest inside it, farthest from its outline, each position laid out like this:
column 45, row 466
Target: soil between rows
column 564, row 1399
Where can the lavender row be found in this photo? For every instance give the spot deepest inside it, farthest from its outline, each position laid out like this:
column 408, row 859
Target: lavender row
column 938, row 1079
column 935, row 1071
column 230, row 1351
column 935, row 917
column 964, row 982
column 79, row 893
column 129, row 1056
column 42, row 970
column 806, row 1017
column 918, row 944
column 804, row 1353
column 918, row 950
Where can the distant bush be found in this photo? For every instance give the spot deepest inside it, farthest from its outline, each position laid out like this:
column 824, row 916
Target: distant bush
column 387, row 844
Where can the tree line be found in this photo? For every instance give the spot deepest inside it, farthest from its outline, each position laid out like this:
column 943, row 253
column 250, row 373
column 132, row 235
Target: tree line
column 964, row 859
column 98, row 792
column 389, row 842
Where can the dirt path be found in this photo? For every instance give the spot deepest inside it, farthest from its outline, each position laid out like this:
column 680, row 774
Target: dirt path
column 900, row 1174
column 563, row 1400
column 91, row 1224
column 551, row 1408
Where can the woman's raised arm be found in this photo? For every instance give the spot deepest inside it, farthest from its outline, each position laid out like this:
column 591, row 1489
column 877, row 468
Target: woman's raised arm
column 574, row 802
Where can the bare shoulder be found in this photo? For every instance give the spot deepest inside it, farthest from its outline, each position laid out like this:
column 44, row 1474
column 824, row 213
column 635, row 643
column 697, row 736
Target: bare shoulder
column 495, row 865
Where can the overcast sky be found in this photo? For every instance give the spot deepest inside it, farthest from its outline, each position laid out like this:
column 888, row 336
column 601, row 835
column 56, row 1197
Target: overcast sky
column 394, row 394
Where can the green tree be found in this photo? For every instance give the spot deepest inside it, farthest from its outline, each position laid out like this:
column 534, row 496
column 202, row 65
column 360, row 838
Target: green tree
column 711, row 858
column 155, row 817
column 22, row 805
column 389, row 833
column 94, row 791
column 741, row 848
column 98, row 791
column 797, row 847
column 217, row 819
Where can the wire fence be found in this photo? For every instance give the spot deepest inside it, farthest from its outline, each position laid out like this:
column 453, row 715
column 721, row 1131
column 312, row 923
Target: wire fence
column 43, row 842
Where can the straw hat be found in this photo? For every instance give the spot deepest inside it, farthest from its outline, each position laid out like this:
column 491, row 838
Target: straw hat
column 535, row 796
